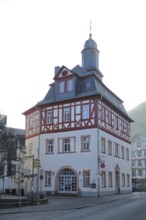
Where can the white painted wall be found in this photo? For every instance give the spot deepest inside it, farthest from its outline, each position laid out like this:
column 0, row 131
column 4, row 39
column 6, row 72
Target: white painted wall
column 80, row 161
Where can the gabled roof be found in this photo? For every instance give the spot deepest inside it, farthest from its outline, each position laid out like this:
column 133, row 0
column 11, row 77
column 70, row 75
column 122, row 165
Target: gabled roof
column 63, row 71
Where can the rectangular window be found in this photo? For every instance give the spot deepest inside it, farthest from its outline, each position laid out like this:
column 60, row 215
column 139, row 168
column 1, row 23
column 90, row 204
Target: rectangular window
column 116, row 150
column 139, row 153
column 61, row 86
column 103, row 113
column 139, row 163
column 116, row 122
column 49, row 117
column 66, row 144
column 122, row 125
column 48, row 178
column 85, row 112
column 127, row 154
column 109, row 148
column 133, row 163
column 133, row 154
column 139, row 143
column 49, row 146
column 37, row 120
column 103, row 147
column 103, row 179
column 110, row 118
column 128, row 180
column 85, row 143
column 110, row 179
column 126, row 128
column 123, row 180
column 86, row 178
column 133, row 173
column 69, row 85
column 122, row 152
column 66, row 114
column 140, row 173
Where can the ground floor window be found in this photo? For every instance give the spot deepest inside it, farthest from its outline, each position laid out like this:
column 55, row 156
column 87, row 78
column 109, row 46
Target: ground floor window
column 48, row 178
column 110, row 179
column 123, row 180
column 86, row 178
column 128, row 180
column 103, row 179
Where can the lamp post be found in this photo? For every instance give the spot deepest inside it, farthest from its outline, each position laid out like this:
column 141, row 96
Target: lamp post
column 19, row 171
column 31, row 170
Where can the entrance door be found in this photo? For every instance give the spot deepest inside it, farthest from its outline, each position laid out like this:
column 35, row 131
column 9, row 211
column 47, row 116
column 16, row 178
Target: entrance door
column 67, row 181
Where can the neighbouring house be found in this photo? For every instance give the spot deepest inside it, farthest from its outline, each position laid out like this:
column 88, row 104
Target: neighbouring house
column 138, row 158
column 12, row 145
column 78, row 137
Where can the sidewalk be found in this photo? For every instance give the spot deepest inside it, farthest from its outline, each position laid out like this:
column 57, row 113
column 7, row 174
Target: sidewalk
column 66, row 203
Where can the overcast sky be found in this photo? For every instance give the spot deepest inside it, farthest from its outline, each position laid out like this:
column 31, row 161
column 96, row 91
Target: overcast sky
column 37, row 35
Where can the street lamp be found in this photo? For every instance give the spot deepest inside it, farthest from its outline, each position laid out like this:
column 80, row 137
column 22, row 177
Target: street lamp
column 36, row 165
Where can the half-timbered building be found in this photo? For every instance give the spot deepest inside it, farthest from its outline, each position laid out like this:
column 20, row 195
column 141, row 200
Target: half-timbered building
column 79, row 133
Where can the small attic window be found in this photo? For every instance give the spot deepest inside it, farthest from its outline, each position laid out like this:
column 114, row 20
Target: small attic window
column 88, row 85
column 64, row 73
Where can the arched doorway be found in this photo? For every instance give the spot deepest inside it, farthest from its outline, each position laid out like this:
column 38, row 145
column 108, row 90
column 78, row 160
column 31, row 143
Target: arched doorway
column 67, row 181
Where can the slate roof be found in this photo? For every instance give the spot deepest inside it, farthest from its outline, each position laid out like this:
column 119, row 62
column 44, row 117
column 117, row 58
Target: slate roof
column 83, row 79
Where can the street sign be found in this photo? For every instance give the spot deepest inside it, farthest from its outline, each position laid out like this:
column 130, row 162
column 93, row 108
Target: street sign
column 102, row 165
column 41, row 177
column 37, row 163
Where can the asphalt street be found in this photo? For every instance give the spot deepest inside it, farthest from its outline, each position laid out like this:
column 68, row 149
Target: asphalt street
column 60, row 206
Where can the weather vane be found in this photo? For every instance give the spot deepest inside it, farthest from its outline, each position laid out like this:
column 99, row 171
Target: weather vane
column 90, row 28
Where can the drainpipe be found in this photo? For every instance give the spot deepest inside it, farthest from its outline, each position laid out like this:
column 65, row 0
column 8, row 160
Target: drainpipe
column 98, row 158
column 38, row 169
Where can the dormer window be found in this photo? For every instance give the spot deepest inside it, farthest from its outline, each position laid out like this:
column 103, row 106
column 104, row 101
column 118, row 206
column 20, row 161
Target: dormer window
column 61, row 86
column 69, row 85
column 65, row 86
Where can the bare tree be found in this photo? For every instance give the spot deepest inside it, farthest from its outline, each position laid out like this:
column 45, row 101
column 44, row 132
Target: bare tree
column 10, row 141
